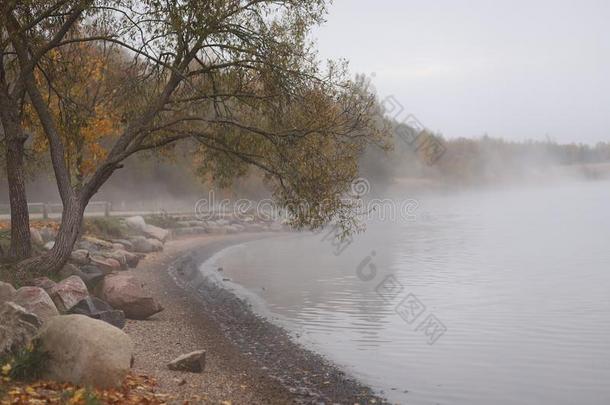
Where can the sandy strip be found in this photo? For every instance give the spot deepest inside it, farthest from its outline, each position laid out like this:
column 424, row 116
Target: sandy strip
column 239, row 367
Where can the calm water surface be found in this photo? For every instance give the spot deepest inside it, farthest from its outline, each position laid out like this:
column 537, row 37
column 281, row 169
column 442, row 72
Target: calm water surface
column 520, row 279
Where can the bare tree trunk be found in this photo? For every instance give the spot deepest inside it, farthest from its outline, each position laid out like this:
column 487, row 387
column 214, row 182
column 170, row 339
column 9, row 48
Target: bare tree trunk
column 54, row 260
column 21, row 246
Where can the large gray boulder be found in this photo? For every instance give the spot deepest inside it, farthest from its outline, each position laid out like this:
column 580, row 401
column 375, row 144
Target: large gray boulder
column 85, row 351
column 95, row 308
column 193, row 362
column 68, row 293
column 123, row 291
column 37, row 301
column 17, row 327
column 156, row 233
column 6, row 292
column 136, row 223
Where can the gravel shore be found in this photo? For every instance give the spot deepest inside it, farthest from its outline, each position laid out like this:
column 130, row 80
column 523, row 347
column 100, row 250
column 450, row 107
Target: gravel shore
column 249, row 360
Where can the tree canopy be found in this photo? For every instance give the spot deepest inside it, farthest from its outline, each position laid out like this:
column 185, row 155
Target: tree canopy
column 239, row 80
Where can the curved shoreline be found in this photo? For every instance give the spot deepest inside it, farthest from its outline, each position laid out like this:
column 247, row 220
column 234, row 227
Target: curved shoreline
column 250, row 360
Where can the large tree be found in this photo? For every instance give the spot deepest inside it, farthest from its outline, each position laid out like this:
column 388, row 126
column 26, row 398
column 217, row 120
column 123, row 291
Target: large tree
column 237, row 78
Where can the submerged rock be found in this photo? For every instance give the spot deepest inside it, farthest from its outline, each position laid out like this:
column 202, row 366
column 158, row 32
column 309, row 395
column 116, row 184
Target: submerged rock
column 193, row 362
column 85, row 351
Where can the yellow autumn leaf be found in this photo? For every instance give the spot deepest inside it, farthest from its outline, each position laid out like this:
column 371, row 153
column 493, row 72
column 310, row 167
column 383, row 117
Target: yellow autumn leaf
column 6, row 369
column 78, row 396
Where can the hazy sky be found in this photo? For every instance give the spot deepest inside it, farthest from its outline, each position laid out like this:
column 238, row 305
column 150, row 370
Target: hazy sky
column 512, row 69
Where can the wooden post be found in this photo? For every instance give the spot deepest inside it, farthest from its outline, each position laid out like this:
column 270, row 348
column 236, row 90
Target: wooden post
column 107, row 208
column 45, row 211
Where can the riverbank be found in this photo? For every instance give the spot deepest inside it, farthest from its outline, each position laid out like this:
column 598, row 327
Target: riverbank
column 249, row 360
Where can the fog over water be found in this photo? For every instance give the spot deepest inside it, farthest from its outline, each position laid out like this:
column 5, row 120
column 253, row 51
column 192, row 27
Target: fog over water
column 517, row 280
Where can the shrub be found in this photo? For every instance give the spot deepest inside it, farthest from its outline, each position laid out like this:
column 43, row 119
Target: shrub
column 107, row 227
column 26, row 364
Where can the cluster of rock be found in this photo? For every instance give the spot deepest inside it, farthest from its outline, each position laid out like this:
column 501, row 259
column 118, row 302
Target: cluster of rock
column 78, row 320
column 186, row 225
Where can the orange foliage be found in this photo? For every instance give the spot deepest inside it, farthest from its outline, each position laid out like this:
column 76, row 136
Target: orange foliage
column 81, row 101
column 136, row 389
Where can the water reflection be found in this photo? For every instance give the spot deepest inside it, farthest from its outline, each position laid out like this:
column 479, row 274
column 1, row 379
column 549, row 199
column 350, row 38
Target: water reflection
column 519, row 279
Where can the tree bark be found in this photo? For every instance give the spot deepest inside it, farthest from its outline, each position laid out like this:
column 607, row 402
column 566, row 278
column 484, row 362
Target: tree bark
column 56, row 258
column 21, row 246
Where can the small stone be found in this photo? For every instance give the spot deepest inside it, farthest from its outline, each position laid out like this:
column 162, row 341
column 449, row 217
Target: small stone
column 193, row 362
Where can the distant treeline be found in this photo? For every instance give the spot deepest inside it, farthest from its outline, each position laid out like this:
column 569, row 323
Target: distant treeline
column 485, row 159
